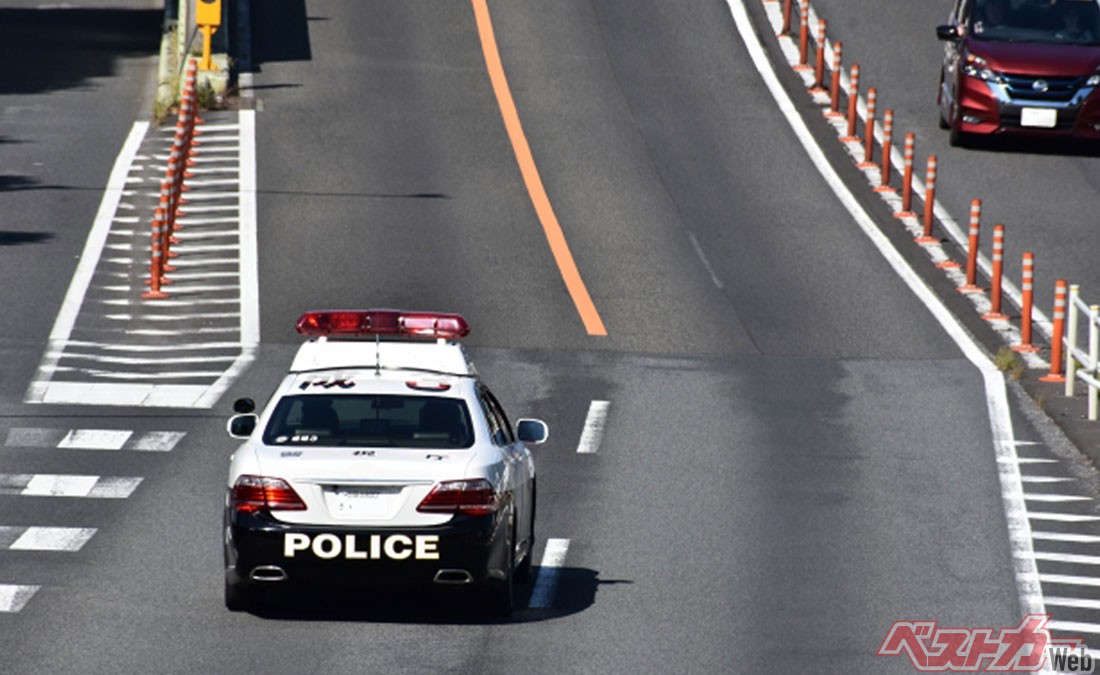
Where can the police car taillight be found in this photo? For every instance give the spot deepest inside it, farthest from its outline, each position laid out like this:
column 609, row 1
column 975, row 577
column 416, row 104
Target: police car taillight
column 261, row 493
column 384, row 322
column 475, row 497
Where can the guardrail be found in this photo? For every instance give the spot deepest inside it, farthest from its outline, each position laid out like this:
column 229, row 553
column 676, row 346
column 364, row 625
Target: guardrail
column 172, row 188
column 1081, row 364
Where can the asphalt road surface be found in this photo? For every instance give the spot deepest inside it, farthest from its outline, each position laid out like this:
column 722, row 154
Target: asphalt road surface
column 795, row 454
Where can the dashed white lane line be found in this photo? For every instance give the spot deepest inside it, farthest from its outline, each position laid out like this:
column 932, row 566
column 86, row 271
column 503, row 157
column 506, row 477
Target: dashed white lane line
column 96, row 439
column 553, row 559
column 59, row 485
column 68, row 539
column 594, row 423
column 14, row 597
column 93, row 439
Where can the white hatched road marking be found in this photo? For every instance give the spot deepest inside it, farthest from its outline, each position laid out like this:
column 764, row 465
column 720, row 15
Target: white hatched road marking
column 553, row 559
column 61, row 485
column 93, row 439
column 223, row 190
column 96, row 439
column 68, row 539
column 14, row 597
column 593, row 427
column 1066, row 536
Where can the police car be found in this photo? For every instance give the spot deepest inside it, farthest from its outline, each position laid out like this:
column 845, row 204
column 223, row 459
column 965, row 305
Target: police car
column 380, row 460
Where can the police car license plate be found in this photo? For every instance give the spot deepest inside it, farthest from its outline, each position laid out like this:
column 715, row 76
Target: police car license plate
column 356, row 502
column 1039, row 117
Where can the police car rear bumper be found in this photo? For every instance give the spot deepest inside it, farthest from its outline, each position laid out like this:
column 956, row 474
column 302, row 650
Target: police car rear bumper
column 261, row 550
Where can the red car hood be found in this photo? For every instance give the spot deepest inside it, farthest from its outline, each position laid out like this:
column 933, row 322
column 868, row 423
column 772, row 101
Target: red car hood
column 1029, row 58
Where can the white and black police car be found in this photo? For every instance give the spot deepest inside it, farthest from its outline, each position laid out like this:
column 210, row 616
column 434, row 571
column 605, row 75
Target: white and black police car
column 381, row 460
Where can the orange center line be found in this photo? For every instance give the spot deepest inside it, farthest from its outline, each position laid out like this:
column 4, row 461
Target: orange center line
column 550, row 225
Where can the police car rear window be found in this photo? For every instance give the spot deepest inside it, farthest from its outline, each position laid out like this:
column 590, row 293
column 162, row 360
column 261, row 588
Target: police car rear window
column 370, row 420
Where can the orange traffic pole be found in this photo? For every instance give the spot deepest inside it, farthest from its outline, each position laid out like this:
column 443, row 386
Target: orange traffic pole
column 971, row 285
column 853, row 102
column 834, row 83
column 1029, row 299
column 869, row 131
column 786, row 28
column 819, row 59
column 887, row 148
column 1055, row 374
column 929, row 202
column 804, row 36
column 994, row 313
column 907, row 178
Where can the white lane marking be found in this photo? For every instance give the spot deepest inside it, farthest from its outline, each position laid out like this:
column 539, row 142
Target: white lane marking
column 157, row 441
column 1045, row 479
column 1074, row 626
column 1069, row 580
column 1072, row 558
column 14, row 597
column 706, row 263
column 1000, row 419
column 53, row 539
column 593, row 427
column 1055, row 499
column 1080, row 603
column 55, row 485
column 1062, row 517
column 95, row 439
column 89, row 259
column 52, row 485
column 553, row 559
column 1066, row 536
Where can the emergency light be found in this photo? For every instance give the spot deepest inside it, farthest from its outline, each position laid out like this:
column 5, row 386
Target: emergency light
column 383, row 322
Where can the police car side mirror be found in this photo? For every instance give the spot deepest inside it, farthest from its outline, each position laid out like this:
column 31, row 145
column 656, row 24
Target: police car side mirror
column 243, row 406
column 242, row 426
column 532, row 431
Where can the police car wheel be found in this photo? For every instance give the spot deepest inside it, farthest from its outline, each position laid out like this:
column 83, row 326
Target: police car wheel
column 523, row 570
column 501, row 592
column 237, row 598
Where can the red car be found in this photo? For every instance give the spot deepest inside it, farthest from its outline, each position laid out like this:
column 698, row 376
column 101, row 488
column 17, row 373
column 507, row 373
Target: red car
column 1021, row 67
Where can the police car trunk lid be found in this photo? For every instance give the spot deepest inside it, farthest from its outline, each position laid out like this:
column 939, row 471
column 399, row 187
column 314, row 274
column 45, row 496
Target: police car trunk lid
column 363, row 486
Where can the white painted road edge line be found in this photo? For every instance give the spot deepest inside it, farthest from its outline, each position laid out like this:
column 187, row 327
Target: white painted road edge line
column 89, row 259
column 249, row 262
column 593, row 427
column 553, row 559
column 1026, row 572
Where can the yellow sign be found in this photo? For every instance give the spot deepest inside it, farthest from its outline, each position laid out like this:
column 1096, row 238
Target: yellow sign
column 208, row 12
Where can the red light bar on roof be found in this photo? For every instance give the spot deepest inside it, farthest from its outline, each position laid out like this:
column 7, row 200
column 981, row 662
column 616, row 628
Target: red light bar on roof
column 384, row 322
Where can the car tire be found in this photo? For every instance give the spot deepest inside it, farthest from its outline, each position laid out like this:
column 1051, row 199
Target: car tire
column 956, row 137
column 501, row 593
column 237, row 597
column 523, row 571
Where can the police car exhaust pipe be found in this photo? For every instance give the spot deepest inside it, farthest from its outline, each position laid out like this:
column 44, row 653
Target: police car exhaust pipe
column 456, row 577
column 268, row 573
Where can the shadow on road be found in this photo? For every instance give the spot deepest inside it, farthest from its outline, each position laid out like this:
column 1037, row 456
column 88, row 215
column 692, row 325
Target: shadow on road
column 61, row 48
column 576, row 592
